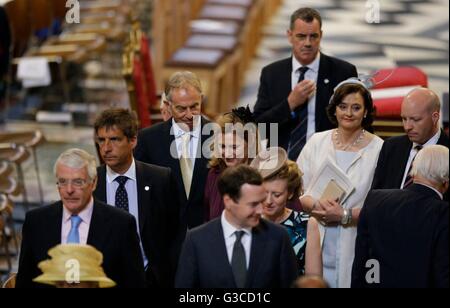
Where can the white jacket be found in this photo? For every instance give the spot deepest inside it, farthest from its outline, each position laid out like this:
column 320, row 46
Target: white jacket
column 319, row 148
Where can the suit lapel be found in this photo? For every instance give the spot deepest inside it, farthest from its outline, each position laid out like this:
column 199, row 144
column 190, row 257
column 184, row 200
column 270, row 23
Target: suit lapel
column 221, row 252
column 286, row 79
column 55, row 225
column 98, row 229
column 324, row 82
column 168, row 141
column 144, row 189
column 402, row 158
column 201, row 161
column 257, row 250
column 100, row 191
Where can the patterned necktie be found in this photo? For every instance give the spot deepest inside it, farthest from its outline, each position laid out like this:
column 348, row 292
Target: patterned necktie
column 409, row 178
column 298, row 136
column 186, row 164
column 121, row 193
column 238, row 261
column 74, row 235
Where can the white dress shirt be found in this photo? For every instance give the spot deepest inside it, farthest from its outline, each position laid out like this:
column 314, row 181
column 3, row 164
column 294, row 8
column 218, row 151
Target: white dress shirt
column 132, row 192
column 230, row 238
column 433, row 141
column 83, row 228
column 311, row 74
column 178, row 133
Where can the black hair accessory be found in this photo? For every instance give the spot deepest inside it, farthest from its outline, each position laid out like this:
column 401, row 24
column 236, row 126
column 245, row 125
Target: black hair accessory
column 244, row 114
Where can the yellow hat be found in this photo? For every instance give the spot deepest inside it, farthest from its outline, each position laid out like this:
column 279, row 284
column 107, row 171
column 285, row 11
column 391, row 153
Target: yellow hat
column 79, row 263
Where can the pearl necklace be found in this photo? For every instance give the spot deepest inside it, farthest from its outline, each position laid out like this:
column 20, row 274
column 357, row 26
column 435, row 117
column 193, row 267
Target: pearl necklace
column 358, row 140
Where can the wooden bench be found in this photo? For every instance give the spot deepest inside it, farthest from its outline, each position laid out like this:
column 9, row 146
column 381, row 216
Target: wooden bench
column 15, row 154
column 31, row 140
column 209, row 65
column 230, row 45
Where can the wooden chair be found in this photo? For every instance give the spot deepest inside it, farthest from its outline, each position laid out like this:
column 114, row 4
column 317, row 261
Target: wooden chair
column 10, row 283
column 16, row 154
column 4, row 240
column 6, row 211
column 31, row 140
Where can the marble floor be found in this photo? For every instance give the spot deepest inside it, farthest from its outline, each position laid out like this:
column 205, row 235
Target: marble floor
column 410, row 32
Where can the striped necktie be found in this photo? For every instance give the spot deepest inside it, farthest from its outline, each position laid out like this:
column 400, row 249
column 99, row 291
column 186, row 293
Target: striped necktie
column 409, row 178
column 298, row 136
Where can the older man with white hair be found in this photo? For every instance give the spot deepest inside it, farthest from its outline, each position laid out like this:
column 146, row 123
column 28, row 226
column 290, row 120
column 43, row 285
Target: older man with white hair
column 403, row 233
column 79, row 219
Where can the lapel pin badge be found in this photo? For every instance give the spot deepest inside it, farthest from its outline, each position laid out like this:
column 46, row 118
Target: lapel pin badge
column 147, row 188
column 326, row 81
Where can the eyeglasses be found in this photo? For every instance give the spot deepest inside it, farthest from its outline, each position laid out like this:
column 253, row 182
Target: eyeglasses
column 77, row 183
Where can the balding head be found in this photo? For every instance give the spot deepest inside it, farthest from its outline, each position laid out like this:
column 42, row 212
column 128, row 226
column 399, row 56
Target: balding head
column 421, row 114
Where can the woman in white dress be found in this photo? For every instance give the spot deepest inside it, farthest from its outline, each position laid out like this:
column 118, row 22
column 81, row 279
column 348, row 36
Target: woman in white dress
column 353, row 150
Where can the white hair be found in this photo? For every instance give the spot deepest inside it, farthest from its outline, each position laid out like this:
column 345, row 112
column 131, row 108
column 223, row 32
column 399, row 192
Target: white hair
column 431, row 163
column 77, row 159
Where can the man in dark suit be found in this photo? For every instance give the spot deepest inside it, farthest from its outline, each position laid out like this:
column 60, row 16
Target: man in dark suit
column 403, row 235
column 421, row 120
column 178, row 144
column 295, row 92
column 238, row 250
column 148, row 193
column 78, row 219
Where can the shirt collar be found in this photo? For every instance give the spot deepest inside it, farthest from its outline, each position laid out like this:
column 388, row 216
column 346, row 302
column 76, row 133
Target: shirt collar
column 178, row 132
column 433, row 141
column 229, row 229
column 430, row 187
column 85, row 214
column 130, row 174
column 314, row 66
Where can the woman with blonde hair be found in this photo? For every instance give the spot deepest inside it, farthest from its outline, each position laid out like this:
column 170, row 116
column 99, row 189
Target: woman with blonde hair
column 236, row 142
column 283, row 184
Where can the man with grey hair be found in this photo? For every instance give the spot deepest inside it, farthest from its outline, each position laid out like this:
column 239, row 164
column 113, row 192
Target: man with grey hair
column 295, row 92
column 79, row 219
column 177, row 144
column 421, row 112
column 403, row 235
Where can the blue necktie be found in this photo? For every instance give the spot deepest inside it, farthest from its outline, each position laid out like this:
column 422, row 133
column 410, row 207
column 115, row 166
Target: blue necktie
column 298, row 136
column 121, row 194
column 74, row 235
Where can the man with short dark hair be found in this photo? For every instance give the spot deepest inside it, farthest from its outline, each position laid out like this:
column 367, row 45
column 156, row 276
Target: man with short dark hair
column 295, row 92
column 146, row 191
column 239, row 249
column 403, row 234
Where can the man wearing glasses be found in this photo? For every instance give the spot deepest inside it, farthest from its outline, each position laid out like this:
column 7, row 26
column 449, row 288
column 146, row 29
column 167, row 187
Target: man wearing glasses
column 79, row 219
column 177, row 144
